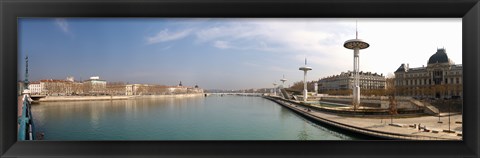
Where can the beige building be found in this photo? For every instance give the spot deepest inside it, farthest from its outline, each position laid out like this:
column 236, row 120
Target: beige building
column 56, row 87
column 345, row 81
column 440, row 78
column 145, row 89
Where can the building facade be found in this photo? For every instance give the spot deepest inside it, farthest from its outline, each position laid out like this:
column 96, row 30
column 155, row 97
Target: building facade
column 441, row 78
column 345, row 81
column 142, row 89
column 95, row 86
column 56, row 87
column 148, row 89
column 35, row 88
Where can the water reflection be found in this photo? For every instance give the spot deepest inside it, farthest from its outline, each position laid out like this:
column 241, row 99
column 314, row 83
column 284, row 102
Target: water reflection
column 303, row 134
column 192, row 118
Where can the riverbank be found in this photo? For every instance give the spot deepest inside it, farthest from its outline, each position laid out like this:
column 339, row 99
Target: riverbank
column 94, row 98
column 401, row 128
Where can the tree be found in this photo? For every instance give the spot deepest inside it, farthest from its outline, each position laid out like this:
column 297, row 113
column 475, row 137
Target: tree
column 430, row 91
column 393, row 107
column 390, row 89
column 440, row 89
column 298, row 86
column 116, row 88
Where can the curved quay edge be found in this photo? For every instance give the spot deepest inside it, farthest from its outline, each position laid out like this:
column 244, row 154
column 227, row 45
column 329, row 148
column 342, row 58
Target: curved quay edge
column 354, row 129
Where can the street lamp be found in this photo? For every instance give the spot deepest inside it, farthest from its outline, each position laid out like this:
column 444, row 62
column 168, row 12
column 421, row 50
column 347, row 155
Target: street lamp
column 305, row 69
column 356, row 44
column 274, row 89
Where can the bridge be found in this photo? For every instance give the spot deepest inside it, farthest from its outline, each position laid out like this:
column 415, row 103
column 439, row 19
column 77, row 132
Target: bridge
column 26, row 126
column 237, row 94
column 36, row 98
column 25, row 123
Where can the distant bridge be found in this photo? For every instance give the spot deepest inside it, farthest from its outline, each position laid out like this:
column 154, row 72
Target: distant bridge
column 35, row 98
column 238, row 94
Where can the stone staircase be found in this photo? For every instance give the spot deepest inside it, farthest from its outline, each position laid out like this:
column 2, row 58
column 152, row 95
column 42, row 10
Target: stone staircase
column 427, row 107
column 285, row 94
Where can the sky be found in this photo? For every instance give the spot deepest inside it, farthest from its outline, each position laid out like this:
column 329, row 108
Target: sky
column 222, row 53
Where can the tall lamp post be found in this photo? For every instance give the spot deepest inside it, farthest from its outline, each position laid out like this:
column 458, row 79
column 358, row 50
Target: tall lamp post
column 283, row 81
column 274, row 89
column 26, row 82
column 356, row 44
column 305, row 69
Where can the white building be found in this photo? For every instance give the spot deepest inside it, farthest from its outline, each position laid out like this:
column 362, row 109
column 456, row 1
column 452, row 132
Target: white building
column 70, row 78
column 35, row 88
column 136, row 89
column 95, row 85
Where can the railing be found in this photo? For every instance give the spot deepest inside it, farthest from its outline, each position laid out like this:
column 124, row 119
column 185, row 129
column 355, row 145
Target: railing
column 26, row 127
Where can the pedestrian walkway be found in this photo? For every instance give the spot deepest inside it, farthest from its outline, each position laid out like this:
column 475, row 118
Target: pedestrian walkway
column 430, row 128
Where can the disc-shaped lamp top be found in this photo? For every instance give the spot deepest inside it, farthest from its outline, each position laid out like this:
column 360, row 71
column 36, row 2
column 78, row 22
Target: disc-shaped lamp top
column 356, row 43
column 305, row 68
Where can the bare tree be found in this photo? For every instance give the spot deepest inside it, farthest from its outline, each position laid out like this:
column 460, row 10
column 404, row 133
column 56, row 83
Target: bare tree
column 116, row 88
column 392, row 108
column 299, row 86
column 391, row 89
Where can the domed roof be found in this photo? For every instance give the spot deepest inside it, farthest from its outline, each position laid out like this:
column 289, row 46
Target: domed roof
column 439, row 57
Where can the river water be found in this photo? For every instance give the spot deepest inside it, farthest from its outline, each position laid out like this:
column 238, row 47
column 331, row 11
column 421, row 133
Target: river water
column 190, row 118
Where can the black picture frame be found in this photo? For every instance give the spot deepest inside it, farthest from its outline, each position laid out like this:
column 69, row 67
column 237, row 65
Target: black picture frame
column 468, row 10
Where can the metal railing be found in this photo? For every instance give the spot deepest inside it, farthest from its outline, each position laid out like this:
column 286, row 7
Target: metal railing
column 26, row 127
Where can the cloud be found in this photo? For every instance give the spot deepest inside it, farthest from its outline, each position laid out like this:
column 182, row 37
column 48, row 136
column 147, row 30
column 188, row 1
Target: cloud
column 221, row 44
column 167, row 47
column 165, row 35
column 251, row 64
column 280, row 69
column 290, row 36
column 63, row 25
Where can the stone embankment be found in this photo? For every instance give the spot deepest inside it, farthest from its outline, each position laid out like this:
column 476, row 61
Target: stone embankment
column 93, row 98
column 411, row 128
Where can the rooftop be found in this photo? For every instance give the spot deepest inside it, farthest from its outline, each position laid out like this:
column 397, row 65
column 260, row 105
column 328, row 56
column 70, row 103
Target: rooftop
column 439, row 57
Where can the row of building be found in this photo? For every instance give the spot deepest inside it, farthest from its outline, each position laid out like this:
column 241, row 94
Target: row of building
column 96, row 86
column 345, row 81
column 440, row 78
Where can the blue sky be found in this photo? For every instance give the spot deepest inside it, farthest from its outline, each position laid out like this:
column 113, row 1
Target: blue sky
column 225, row 53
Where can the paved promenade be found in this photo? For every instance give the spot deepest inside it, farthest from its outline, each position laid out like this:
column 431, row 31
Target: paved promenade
column 402, row 126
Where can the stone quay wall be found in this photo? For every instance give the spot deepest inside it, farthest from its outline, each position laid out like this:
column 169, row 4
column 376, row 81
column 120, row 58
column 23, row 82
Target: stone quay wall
column 91, row 98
